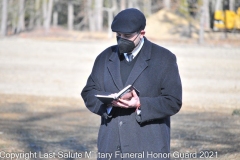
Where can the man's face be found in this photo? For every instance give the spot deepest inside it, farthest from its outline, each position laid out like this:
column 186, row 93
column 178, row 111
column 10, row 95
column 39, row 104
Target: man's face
column 135, row 37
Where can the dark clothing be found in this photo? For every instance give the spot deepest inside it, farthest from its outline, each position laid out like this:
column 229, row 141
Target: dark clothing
column 126, row 68
column 155, row 75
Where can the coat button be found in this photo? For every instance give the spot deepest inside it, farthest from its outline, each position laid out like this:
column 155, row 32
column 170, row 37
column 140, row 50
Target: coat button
column 120, row 123
column 119, row 148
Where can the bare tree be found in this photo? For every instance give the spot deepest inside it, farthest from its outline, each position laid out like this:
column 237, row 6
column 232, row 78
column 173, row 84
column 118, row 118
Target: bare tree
column 55, row 14
column 38, row 13
column 207, row 15
column 99, row 14
column 80, row 14
column 70, row 15
column 218, row 5
column 232, row 5
column 4, row 17
column 47, row 13
column 123, row 4
column 32, row 15
column 21, row 15
column 203, row 20
column 110, row 12
column 167, row 4
column 90, row 12
column 44, row 12
column 133, row 3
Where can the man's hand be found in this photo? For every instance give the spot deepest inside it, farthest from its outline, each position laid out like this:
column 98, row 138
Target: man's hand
column 128, row 102
column 127, row 96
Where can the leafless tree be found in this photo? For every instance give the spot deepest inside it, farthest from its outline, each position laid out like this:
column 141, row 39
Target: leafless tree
column 110, row 12
column 38, row 13
column 123, row 4
column 91, row 13
column 232, row 5
column 55, row 14
column 167, row 4
column 21, row 15
column 70, row 15
column 4, row 17
column 47, row 13
column 99, row 14
column 203, row 20
column 31, row 15
column 133, row 4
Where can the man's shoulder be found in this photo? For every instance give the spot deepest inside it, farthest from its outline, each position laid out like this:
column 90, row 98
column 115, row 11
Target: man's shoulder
column 110, row 49
column 160, row 51
column 107, row 52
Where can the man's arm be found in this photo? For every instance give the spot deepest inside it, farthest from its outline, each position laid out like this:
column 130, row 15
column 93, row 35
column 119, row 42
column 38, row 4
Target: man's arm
column 169, row 101
column 166, row 104
column 93, row 87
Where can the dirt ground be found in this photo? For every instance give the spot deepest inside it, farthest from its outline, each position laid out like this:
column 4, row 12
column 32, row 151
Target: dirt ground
column 41, row 110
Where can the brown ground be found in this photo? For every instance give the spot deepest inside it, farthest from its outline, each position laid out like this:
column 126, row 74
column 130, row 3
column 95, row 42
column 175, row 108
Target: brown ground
column 41, row 109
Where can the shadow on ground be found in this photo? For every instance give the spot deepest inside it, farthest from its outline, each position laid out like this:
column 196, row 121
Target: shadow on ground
column 27, row 127
column 209, row 134
column 42, row 125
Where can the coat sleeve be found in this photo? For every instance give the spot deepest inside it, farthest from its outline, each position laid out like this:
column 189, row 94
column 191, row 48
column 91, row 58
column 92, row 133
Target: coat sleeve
column 169, row 101
column 94, row 87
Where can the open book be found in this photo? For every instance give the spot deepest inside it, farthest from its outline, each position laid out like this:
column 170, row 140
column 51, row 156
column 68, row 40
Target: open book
column 107, row 99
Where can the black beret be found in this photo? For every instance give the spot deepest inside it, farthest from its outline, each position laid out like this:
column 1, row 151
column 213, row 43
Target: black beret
column 129, row 21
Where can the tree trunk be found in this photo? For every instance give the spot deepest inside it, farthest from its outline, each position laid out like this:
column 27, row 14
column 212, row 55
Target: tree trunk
column 90, row 13
column 55, row 18
column 133, row 3
column 207, row 15
column 218, row 5
column 4, row 17
column 21, row 15
column 110, row 17
column 231, row 5
column 55, row 14
column 167, row 4
column 32, row 15
column 38, row 14
column 225, row 4
column 47, row 14
column 70, row 15
column 123, row 4
column 44, row 12
column 99, row 14
column 203, row 20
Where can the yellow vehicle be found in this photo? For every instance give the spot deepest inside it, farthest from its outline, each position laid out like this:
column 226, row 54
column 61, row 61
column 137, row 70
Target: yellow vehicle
column 226, row 20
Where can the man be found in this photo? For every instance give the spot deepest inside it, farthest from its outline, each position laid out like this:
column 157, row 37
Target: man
column 136, row 126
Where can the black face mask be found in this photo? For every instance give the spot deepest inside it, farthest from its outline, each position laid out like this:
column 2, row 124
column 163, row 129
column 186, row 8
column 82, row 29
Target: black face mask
column 125, row 45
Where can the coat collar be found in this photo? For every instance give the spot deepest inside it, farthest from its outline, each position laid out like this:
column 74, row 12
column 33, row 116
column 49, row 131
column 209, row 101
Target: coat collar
column 141, row 63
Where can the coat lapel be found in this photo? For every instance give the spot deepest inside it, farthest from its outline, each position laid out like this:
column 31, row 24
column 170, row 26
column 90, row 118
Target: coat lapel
column 114, row 69
column 141, row 63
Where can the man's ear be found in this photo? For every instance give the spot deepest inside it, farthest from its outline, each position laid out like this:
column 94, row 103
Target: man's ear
column 142, row 32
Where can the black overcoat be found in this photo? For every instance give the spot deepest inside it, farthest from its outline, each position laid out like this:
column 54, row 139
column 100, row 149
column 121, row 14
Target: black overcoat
column 155, row 74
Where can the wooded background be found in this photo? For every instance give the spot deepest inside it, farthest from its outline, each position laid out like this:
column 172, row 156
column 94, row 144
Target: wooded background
column 95, row 15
